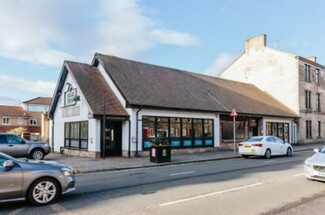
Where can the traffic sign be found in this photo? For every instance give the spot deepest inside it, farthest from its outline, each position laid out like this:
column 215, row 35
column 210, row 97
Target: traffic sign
column 233, row 112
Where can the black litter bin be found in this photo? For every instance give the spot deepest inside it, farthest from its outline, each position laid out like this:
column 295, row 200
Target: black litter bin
column 160, row 153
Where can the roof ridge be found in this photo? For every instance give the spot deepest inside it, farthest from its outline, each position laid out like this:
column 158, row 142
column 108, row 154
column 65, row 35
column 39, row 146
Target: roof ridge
column 75, row 62
column 145, row 63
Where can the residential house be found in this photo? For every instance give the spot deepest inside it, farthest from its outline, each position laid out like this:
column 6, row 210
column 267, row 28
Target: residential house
column 31, row 115
column 297, row 82
column 118, row 107
column 37, row 109
column 13, row 117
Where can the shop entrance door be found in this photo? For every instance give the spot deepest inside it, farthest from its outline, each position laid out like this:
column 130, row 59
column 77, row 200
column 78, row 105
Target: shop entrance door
column 113, row 139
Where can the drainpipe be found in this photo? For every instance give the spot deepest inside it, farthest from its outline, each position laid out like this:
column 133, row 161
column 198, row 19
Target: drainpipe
column 136, row 134
column 129, row 150
column 292, row 133
column 53, row 135
column 104, row 129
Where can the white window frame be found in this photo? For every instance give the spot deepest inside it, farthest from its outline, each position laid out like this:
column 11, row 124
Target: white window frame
column 20, row 121
column 5, row 120
column 33, row 121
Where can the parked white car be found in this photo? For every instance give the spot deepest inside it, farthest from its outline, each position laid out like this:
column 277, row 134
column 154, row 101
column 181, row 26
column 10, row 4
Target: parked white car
column 266, row 146
column 314, row 168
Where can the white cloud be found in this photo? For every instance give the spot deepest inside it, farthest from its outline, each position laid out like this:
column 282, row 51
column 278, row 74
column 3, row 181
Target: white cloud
column 37, row 87
column 125, row 30
column 48, row 32
column 220, row 64
column 9, row 101
column 167, row 36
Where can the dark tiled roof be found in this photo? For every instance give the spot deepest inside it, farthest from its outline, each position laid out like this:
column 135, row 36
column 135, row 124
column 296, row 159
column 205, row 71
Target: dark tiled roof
column 94, row 88
column 40, row 101
column 6, row 110
column 149, row 85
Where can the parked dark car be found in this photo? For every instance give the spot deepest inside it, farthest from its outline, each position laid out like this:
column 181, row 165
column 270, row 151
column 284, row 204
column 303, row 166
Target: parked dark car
column 16, row 146
column 40, row 182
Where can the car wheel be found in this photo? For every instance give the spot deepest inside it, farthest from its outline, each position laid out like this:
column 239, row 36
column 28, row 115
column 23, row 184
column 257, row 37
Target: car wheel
column 267, row 154
column 245, row 156
column 43, row 191
column 37, row 154
column 289, row 152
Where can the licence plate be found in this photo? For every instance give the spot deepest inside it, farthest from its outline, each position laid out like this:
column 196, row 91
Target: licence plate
column 322, row 174
column 247, row 146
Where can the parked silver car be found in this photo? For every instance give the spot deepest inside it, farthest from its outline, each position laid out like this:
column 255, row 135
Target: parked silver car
column 39, row 182
column 16, row 146
column 314, row 168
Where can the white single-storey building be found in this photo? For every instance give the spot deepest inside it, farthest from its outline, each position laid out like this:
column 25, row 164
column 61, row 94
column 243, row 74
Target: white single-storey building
column 118, row 107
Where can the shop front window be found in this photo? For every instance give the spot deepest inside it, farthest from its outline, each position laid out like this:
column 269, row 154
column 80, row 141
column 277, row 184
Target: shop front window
column 76, row 135
column 162, row 127
column 187, row 132
column 175, row 132
column 198, row 132
column 280, row 130
column 84, row 135
column 228, row 130
column 208, row 132
column 148, row 131
column 178, row 132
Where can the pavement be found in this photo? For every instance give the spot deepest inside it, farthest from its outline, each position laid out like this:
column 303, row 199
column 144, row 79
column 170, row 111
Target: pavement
column 83, row 165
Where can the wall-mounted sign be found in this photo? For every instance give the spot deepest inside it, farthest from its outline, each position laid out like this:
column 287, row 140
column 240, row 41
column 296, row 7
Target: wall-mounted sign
column 71, row 111
column 70, row 96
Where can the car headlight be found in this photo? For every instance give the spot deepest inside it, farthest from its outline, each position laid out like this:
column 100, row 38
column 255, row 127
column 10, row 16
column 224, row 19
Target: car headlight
column 307, row 163
column 67, row 172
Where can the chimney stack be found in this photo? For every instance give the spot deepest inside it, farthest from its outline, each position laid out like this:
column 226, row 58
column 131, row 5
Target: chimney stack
column 256, row 42
column 312, row 58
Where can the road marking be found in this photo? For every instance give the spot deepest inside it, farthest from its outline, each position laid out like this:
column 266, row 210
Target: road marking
column 210, row 194
column 182, row 173
column 60, row 209
column 297, row 175
column 18, row 211
column 269, row 162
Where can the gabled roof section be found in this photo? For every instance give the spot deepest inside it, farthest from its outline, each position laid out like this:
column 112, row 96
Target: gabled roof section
column 39, row 101
column 17, row 111
column 146, row 85
column 94, row 87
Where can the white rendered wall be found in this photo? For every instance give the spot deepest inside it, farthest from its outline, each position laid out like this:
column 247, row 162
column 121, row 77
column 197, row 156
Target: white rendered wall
column 85, row 112
column 270, row 70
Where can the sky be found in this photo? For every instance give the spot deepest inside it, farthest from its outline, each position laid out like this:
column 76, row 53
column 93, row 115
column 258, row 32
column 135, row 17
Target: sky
column 205, row 36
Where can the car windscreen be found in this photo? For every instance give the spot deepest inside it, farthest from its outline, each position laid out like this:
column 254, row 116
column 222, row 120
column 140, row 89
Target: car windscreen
column 323, row 150
column 254, row 139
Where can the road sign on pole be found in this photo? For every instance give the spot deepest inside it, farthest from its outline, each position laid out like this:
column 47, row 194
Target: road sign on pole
column 234, row 114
